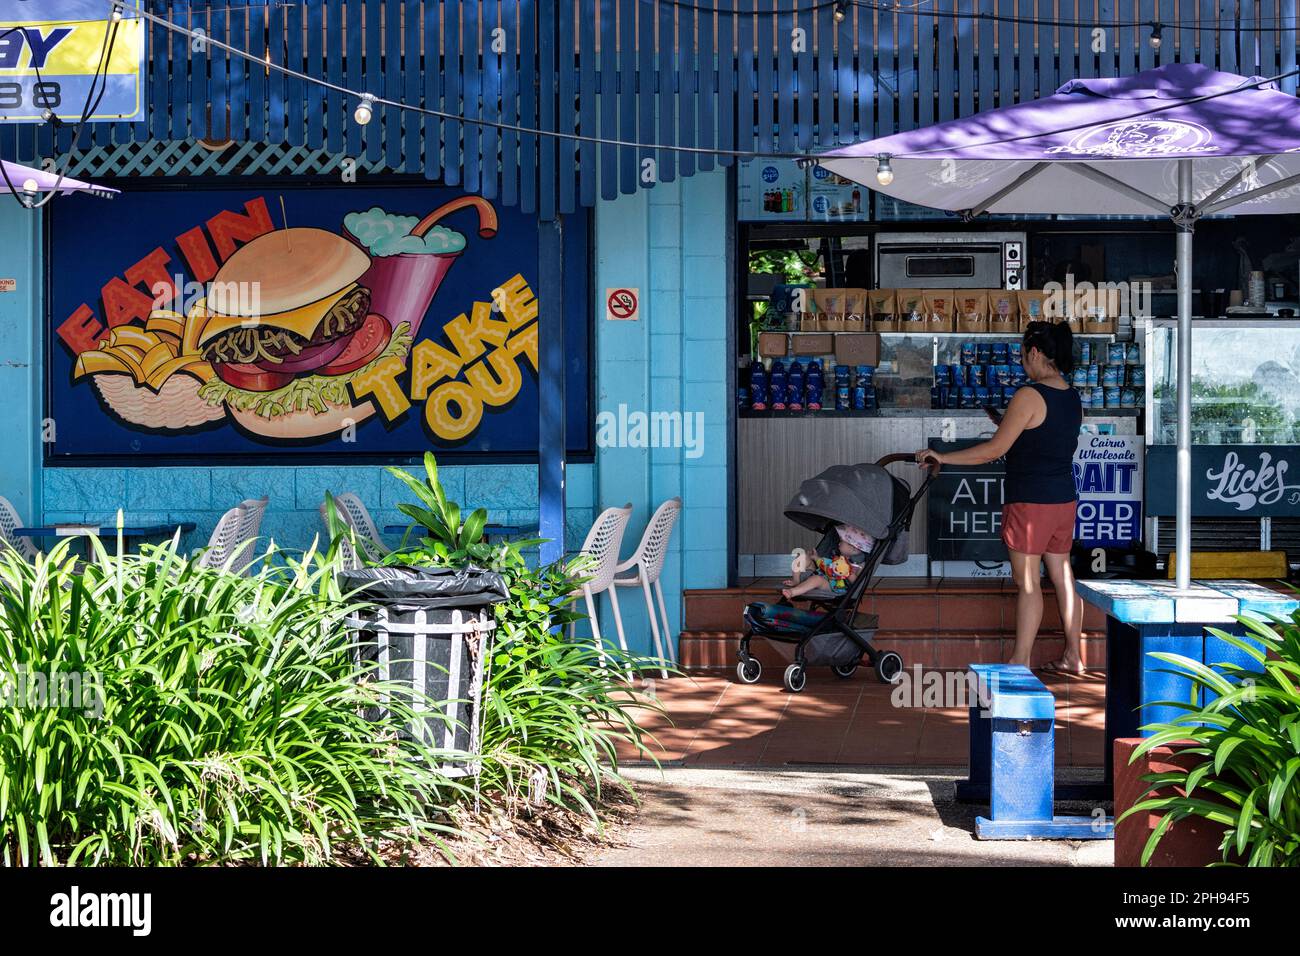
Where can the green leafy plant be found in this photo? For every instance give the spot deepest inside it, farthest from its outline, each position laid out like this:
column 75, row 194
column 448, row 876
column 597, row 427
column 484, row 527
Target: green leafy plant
column 224, row 721
column 1249, row 738
column 556, row 710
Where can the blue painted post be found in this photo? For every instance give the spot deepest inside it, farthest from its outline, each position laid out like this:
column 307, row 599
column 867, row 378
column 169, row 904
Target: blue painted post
column 550, row 389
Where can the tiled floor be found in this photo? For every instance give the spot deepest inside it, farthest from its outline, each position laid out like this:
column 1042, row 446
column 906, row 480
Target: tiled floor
column 713, row 721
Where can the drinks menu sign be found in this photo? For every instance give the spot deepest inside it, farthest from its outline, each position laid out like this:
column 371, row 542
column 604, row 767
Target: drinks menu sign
column 352, row 320
column 779, row 190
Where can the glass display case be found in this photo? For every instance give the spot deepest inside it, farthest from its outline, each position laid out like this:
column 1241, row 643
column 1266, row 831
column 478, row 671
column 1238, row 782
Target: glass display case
column 908, row 362
column 1245, row 381
column 925, row 372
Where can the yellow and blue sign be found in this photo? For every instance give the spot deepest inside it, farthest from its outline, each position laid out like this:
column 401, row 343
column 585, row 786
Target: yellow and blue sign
column 61, row 56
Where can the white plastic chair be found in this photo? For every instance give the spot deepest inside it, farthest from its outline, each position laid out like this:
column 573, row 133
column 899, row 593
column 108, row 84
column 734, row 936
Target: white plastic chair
column 648, row 560
column 9, row 522
column 353, row 513
column 603, row 543
column 231, row 544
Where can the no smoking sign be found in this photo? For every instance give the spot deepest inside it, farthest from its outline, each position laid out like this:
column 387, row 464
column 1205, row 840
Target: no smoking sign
column 622, row 304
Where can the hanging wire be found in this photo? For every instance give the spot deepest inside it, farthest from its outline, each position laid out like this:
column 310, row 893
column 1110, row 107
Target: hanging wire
column 910, row 7
column 377, row 101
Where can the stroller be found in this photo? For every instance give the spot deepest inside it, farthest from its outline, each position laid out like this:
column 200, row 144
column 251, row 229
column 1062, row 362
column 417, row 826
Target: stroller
column 831, row 631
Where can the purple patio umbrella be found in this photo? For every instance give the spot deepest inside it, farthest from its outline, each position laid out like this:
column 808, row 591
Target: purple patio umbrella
column 1182, row 141
column 27, row 179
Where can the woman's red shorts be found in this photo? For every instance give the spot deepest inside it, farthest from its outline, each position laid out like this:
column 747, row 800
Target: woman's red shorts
column 1038, row 529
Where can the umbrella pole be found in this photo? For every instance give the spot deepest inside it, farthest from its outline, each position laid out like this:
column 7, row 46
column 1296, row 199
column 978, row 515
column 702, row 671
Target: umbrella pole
column 1184, row 219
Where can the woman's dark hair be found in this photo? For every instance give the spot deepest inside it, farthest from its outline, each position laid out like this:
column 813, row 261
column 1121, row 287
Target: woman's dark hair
column 1054, row 340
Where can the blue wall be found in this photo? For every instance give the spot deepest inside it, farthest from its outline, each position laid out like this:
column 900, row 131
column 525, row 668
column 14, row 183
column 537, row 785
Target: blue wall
column 20, row 380
column 671, row 243
column 160, row 494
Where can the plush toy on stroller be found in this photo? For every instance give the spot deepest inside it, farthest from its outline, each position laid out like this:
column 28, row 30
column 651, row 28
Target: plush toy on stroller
column 863, row 514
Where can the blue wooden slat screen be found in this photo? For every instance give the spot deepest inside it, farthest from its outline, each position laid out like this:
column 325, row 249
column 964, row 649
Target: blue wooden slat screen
column 765, row 75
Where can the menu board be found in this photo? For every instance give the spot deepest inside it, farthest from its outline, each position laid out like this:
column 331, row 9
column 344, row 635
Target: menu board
column 772, row 190
column 833, row 198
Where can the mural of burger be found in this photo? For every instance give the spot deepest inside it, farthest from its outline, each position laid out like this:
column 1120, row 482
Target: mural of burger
column 286, row 327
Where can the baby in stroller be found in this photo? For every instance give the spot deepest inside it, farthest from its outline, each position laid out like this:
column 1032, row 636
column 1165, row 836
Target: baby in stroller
column 833, row 574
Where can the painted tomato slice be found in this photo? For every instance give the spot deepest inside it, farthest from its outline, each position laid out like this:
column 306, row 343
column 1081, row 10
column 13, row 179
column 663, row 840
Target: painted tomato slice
column 366, row 345
column 251, row 378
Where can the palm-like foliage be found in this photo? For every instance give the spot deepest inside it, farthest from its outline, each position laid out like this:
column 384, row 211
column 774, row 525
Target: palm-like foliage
column 1249, row 736
column 554, row 709
column 231, row 725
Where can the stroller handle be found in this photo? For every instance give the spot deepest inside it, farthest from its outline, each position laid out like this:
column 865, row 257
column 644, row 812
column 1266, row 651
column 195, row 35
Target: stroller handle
column 933, row 466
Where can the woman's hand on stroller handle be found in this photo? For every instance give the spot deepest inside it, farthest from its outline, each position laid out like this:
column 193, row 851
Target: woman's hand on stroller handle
column 929, row 458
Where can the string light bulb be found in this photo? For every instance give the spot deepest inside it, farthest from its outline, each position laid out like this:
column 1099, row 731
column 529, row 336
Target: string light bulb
column 1154, row 39
column 884, row 172
column 117, row 12
column 841, row 11
column 365, row 109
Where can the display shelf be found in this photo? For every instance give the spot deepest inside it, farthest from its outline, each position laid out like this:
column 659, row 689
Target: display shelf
column 918, row 413
column 919, row 333
column 1222, row 323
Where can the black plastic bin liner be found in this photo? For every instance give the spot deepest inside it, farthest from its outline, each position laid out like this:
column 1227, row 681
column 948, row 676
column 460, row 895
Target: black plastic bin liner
column 403, row 585
column 453, row 669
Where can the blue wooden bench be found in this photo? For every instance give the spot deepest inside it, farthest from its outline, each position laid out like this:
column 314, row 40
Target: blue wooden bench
column 1013, row 760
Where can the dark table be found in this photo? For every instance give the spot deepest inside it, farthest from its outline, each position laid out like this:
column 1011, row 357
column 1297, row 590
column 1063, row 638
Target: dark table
column 105, row 531
column 489, row 530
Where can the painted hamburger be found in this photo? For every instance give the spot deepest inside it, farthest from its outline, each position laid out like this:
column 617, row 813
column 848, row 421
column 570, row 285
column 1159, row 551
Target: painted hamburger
column 287, row 327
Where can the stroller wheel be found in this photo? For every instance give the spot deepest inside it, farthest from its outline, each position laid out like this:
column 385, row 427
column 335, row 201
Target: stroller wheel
column 749, row 671
column 889, row 667
column 795, row 678
column 845, row 670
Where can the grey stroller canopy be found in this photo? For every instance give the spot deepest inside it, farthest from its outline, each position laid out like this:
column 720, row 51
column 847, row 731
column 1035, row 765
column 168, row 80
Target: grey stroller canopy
column 864, row 495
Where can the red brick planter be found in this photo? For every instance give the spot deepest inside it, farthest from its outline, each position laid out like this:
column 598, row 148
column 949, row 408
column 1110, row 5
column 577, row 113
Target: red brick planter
column 1192, row 841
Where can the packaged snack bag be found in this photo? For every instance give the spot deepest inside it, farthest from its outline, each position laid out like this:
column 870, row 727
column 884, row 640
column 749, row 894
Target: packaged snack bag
column 972, row 310
column 830, row 303
column 856, row 317
column 911, row 309
column 1004, row 311
column 1033, row 307
column 938, row 308
column 882, row 307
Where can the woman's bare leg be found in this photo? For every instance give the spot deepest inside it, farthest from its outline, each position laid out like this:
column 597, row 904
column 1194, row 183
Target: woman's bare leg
column 1029, row 604
column 1071, row 607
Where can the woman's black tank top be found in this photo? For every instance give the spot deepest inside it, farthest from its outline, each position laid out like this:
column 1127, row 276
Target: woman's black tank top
column 1040, row 464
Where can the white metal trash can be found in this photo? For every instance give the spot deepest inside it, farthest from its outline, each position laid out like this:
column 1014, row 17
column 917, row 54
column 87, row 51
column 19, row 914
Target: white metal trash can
column 418, row 635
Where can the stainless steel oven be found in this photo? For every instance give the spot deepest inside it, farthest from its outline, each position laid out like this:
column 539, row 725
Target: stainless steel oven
column 950, row 260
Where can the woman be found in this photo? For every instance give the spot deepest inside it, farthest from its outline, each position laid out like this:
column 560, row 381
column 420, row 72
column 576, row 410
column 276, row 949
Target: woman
column 1038, row 435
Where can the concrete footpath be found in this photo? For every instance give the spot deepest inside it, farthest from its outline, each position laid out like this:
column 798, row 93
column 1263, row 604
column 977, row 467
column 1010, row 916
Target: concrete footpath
column 813, row 817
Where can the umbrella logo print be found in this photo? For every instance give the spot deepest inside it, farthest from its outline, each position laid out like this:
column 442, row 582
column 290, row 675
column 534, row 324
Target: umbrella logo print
column 1140, row 139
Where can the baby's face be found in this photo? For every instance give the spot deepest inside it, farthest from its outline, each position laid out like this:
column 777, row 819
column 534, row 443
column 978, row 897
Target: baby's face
column 847, row 549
